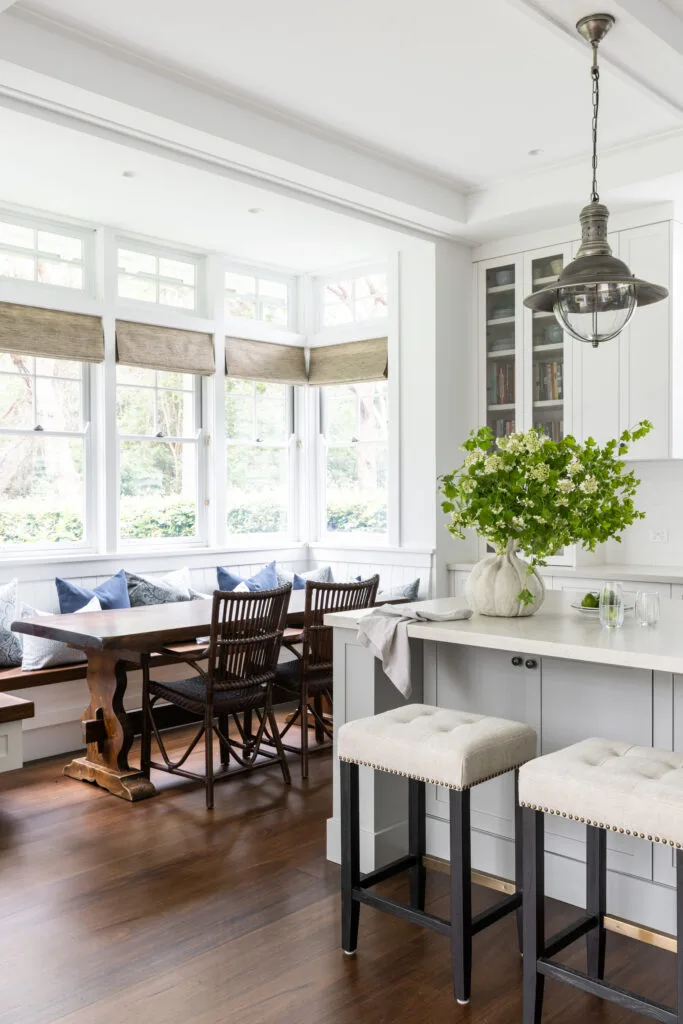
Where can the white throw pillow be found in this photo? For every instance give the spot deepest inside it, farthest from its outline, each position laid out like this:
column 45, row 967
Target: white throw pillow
column 42, row 653
column 241, row 588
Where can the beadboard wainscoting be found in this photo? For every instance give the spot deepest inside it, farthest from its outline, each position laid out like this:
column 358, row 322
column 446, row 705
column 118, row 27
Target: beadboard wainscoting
column 56, row 727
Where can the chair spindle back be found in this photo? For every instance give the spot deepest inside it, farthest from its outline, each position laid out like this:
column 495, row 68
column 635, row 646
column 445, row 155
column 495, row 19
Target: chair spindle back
column 321, row 599
column 246, row 634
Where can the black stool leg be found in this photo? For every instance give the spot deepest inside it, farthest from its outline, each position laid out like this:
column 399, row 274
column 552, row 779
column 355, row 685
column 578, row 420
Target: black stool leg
column 350, row 853
column 417, row 842
column 534, row 914
column 596, row 898
column 679, row 922
column 461, row 895
column 519, row 863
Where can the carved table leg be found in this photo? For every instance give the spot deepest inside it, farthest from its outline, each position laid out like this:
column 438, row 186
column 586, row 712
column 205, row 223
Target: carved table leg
column 107, row 733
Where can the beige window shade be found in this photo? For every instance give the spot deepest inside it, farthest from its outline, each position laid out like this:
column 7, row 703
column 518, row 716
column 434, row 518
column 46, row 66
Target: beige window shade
column 262, row 360
column 164, row 348
column 50, row 333
column 350, row 363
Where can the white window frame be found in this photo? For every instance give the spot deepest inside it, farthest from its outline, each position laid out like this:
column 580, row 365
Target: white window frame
column 353, row 274
column 348, row 537
column 237, row 323
column 200, row 438
column 36, row 288
column 290, row 445
column 85, row 433
column 160, row 252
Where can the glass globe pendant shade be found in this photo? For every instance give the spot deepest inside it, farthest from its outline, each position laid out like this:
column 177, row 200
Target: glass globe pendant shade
column 596, row 294
column 595, row 312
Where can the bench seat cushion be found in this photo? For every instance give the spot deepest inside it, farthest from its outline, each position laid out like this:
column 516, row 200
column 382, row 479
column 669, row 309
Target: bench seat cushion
column 448, row 748
column 613, row 785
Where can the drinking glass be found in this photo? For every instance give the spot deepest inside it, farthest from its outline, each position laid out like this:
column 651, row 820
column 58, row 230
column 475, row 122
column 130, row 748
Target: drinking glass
column 647, row 608
column 611, row 605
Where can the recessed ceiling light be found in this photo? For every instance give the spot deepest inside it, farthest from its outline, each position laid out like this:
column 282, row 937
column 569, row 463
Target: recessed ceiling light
column 535, row 152
column 255, row 209
column 128, row 174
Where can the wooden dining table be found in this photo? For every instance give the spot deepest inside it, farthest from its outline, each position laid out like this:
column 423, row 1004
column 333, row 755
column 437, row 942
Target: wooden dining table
column 113, row 642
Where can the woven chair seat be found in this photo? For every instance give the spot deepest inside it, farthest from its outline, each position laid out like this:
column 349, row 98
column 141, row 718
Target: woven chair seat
column 191, row 695
column 288, row 676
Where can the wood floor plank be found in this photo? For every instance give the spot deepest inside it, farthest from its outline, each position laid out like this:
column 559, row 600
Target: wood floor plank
column 112, row 912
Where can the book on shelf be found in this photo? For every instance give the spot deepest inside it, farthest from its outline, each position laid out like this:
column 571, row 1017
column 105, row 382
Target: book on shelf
column 502, row 427
column 554, row 429
column 501, row 383
column 548, row 381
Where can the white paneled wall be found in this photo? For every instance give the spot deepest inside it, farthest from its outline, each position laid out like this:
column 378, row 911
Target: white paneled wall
column 56, row 727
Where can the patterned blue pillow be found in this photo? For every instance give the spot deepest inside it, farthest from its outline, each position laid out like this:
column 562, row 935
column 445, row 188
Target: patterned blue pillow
column 265, row 579
column 10, row 643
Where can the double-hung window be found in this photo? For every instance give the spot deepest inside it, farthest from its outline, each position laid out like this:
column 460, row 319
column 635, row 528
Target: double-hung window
column 355, row 454
column 258, row 450
column 43, row 451
column 159, row 428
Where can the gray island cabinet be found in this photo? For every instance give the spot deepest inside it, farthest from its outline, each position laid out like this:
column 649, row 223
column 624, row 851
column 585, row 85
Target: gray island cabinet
column 559, row 672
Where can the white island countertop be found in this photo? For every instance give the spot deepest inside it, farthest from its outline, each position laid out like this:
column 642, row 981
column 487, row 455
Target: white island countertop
column 556, row 630
column 625, row 571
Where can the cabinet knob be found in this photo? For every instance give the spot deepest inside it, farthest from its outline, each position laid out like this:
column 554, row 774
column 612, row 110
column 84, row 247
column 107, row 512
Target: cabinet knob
column 531, row 663
column 517, row 661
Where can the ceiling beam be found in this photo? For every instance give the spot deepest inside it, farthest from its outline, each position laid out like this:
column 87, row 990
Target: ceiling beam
column 657, row 18
column 43, row 63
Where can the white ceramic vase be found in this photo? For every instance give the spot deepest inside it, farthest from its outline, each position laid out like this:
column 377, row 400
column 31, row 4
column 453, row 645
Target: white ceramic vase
column 496, row 580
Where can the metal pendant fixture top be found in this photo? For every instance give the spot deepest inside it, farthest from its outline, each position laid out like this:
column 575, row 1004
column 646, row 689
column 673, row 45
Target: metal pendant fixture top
column 596, row 294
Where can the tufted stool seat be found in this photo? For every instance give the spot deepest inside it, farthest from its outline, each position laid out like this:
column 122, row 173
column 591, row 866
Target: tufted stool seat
column 445, row 748
column 634, row 790
column 454, row 749
column 609, row 786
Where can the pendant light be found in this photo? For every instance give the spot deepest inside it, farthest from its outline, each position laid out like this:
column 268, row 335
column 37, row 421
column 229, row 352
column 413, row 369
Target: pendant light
column 596, row 294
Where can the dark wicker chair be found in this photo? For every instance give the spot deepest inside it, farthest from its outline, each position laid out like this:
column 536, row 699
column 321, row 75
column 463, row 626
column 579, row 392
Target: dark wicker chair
column 309, row 677
column 242, row 654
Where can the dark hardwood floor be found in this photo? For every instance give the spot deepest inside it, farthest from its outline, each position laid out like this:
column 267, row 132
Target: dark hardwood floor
column 165, row 913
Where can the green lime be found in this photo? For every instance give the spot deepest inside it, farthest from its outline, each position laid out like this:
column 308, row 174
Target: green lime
column 590, row 601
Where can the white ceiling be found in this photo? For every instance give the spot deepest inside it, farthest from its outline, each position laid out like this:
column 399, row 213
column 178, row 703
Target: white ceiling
column 78, row 175
column 458, row 88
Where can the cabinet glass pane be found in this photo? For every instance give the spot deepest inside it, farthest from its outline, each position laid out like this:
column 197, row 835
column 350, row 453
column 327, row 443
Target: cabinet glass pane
column 500, row 349
column 547, row 371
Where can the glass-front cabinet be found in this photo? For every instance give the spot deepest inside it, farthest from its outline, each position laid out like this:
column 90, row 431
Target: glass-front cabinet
column 500, row 312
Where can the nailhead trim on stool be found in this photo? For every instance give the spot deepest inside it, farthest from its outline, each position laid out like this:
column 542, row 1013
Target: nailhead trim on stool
column 432, row 782
column 601, row 824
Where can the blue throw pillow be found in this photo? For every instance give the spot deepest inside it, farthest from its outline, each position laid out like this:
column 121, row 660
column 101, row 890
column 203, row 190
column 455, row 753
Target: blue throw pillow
column 298, row 582
column 265, row 579
column 113, row 593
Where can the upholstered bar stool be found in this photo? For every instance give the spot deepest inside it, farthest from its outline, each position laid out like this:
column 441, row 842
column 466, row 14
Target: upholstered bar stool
column 609, row 786
column 454, row 749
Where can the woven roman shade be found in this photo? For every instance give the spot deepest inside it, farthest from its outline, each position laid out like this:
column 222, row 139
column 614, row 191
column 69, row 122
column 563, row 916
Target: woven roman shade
column 262, row 360
column 50, row 333
column 164, row 348
column 350, row 363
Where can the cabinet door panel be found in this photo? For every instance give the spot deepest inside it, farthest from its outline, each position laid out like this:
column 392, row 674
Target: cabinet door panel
column 580, row 700
column 646, row 342
column 486, row 683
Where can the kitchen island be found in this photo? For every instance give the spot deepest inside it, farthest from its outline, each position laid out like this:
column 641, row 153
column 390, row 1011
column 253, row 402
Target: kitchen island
column 557, row 671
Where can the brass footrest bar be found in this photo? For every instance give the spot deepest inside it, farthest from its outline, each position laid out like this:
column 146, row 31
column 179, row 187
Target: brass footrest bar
column 612, row 993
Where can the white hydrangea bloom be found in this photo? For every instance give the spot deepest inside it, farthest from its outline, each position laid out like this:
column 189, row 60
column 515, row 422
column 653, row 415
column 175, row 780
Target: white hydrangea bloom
column 561, row 501
column 566, row 486
column 533, row 442
column 574, row 467
column 589, row 485
column 493, row 464
column 518, row 523
column 468, row 484
column 540, row 472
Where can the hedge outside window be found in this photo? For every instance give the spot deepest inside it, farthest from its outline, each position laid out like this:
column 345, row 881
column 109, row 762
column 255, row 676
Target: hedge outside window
column 40, row 255
column 159, row 419
column 258, row 427
column 43, row 434
column 355, row 448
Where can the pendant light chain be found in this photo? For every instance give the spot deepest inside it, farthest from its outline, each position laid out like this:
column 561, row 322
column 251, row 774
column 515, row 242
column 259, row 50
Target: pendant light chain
column 595, row 75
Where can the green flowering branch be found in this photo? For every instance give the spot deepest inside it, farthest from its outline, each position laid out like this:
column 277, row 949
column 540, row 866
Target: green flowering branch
column 542, row 495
